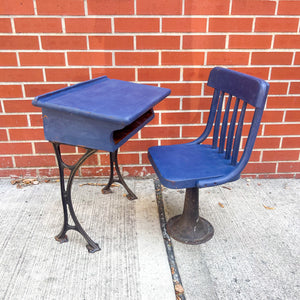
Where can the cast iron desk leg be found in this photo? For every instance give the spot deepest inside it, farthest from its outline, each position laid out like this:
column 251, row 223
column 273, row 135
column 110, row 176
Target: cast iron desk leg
column 67, row 201
column 114, row 162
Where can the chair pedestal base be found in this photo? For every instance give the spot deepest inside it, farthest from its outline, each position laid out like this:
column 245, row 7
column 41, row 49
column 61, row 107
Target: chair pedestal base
column 190, row 228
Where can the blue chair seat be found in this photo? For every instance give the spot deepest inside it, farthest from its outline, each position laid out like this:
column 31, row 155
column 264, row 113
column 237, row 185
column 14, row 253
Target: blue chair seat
column 181, row 166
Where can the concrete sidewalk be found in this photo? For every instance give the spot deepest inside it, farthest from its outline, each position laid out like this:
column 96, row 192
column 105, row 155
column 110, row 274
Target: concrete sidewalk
column 254, row 253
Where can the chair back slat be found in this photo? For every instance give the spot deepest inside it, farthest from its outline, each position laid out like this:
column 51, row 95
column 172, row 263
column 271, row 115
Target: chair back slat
column 231, row 129
column 217, row 121
column 238, row 135
column 224, row 125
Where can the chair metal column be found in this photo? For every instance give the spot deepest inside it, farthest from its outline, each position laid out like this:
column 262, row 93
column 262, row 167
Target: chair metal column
column 190, row 228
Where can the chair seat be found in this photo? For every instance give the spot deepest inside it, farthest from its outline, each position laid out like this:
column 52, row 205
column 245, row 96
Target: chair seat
column 181, row 166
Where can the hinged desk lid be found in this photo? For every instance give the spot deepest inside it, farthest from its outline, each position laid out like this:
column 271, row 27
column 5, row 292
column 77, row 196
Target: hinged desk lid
column 104, row 99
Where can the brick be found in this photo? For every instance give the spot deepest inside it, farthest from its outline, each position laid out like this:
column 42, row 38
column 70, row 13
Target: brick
column 266, row 143
column 17, row 7
column 293, row 116
column 15, row 148
column 13, row 121
column 157, row 42
column 280, row 155
column 196, row 103
column 285, row 73
column 64, row 42
column 288, row 7
column 18, row 173
column 184, row 24
column 283, row 102
column 181, row 118
column 43, row 147
column 90, row 58
column 168, row 104
column 228, row 24
column 5, row 25
column 182, row 58
column 196, row 74
column 141, row 171
column 271, row 58
column 136, row 24
column 259, row 72
column 227, row 58
column 71, row 74
column 275, row 176
column 57, row 7
column 34, row 161
column 184, row 89
column 288, row 167
column 71, row 159
column 204, row 41
column 287, row 41
column 8, row 59
column 6, row 162
column 17, row 106
column 160, row 132
column 42, row 59
column 127, row 74
column 255, row 168
column 28, row 25
column 21, row 75
column 253, row 7
column 290, row 142
column 94, row 171
column 19, row 42
column 158, row 74
column 250, row 41
column 138, row 145
column 33, row 90
column 136, row 58
column 113, row 42
column 206, row 7
column 278, row 88
column 272, row 116
column 295, row 88
column 276, row 24
column 36, row 120
column 26, row 134
column 282, row 129
column 49, row 172
column 88, row 25
column 104, row 7
column 11, row 91
column 128, row 158
column 153, row 7
column 192, row 131
column 3, row 135
column 174, row 141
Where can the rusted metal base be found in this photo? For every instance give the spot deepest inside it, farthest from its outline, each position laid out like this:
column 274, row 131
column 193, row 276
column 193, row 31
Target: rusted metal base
column 190, row 228
column 114, row 163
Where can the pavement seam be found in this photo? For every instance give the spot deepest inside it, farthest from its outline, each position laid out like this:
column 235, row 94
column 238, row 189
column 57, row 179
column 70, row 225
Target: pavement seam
column 168, row 243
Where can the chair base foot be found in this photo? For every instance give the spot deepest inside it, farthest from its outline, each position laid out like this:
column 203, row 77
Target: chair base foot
column 192, row 234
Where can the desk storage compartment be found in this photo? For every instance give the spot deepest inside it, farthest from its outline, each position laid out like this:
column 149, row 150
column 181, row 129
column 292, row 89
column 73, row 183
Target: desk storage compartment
column 131, row 129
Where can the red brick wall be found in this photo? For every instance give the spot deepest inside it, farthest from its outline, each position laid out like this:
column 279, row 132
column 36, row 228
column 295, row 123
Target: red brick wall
column 46, row 45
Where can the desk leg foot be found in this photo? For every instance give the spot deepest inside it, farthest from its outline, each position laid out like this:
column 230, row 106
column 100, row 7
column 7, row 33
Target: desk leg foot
column 67, row 200
column 114, row 163
column 61, row 239
column 190, row 228
column 93, row 248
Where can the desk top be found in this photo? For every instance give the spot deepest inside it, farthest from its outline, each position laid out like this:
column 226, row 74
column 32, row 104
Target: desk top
column 104, row 99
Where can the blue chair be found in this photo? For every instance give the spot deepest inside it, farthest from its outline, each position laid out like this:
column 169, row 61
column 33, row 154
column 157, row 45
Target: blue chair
column 216, row 158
